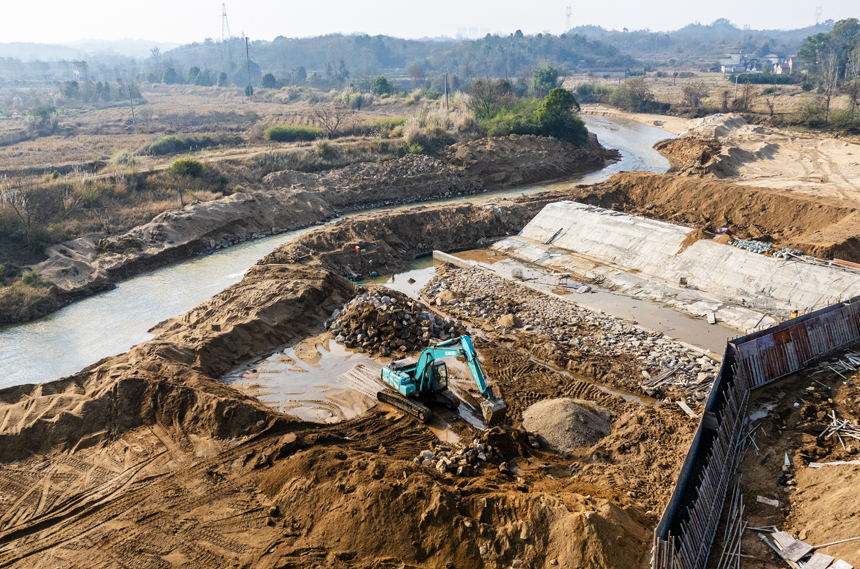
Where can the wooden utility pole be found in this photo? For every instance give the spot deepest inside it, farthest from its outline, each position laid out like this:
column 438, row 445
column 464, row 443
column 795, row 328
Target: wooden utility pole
column 248, row 63
column 131, row 100
column 446, row 90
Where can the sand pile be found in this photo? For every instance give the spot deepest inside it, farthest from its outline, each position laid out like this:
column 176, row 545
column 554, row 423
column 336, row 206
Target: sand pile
column 384, row 321
column 568, row 424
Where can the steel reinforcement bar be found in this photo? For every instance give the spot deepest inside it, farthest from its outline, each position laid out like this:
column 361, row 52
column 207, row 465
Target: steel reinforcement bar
column 685, row 534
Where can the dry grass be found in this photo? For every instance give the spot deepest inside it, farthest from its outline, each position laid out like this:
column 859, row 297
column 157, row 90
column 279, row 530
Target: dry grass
column 787, row 99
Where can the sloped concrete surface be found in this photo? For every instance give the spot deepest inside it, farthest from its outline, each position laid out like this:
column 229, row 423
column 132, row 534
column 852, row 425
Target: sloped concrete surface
column 648, row 258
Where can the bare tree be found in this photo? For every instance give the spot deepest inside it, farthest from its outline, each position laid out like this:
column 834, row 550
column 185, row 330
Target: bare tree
column 852, row 72
column 829, row 70
column 26, row 203
column 418, row 74
column 332, row 116
column 694, row 93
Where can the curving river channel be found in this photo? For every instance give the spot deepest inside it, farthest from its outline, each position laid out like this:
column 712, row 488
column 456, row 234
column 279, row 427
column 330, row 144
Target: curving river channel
column 111, row 322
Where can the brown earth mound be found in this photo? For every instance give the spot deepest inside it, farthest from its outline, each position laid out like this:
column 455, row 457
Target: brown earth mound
column 383, row 321
column 689, row 155
column 568, row 424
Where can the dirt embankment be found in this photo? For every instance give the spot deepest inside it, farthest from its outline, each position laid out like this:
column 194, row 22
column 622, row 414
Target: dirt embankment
column 728, row 148
column 296, row 200
column 147, row 456
column 824, row 227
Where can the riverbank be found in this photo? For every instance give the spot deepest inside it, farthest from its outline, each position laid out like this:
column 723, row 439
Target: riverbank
column 296, row 200
column 675, row 125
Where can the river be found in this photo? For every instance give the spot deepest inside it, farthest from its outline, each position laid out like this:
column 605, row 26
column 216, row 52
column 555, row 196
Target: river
column 113, row 321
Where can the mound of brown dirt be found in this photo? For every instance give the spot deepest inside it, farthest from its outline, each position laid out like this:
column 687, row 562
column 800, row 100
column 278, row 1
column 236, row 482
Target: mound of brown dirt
column 689, row 155
column 383, row 321
column 692, row 237
column 567, row 424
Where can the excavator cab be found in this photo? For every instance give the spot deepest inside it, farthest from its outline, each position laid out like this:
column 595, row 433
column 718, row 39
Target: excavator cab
column 438, row 376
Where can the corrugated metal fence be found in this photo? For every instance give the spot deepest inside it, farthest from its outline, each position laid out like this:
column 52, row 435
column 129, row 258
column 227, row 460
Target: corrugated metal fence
column 685, row 534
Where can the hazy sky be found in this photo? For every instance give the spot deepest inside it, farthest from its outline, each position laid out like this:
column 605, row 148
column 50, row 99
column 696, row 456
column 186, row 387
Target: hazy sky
column 57, row 21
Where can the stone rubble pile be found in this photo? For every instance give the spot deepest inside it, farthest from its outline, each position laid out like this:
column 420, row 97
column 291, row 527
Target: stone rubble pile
column 504, row 305
column 383, row 321
column 462, row 462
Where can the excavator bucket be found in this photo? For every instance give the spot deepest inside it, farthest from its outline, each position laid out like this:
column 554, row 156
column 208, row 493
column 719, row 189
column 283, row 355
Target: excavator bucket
column 494, row 411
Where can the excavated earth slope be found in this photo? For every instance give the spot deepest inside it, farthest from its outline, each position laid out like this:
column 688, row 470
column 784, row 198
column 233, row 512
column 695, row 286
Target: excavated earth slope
column 824, row 227
column 147, row 460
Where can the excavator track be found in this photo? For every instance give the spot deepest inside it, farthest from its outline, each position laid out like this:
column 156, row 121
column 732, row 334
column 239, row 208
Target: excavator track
column 414, row 408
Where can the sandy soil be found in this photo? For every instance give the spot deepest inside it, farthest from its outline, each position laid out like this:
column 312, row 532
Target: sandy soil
column 147, row 457
column 675, row 125
column 816, row 505
column 763, row 156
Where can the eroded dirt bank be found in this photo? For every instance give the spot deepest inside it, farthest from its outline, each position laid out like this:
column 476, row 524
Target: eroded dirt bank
column 294, row 200
column 147, row 456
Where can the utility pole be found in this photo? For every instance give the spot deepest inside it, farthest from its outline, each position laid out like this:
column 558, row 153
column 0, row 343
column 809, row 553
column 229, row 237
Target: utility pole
column 250, row 90
column 131, row 100
column 446, row 90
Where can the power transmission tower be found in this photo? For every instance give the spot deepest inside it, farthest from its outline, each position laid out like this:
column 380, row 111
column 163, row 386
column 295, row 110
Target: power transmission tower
column 567, row 13
column 818, row 11
column 225, row 32
column 225, row 26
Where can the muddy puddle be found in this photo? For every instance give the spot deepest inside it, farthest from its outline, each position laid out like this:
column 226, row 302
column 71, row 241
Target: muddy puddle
column 320, row 381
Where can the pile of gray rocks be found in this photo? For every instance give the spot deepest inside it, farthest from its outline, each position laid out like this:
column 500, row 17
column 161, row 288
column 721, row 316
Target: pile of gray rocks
column 504, row 305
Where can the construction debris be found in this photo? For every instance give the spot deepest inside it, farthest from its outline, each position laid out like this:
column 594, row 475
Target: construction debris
column 840, row 428
column 574, row 332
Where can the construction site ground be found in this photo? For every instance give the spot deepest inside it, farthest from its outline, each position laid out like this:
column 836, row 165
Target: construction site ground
column 175, row 455
column 815, row 505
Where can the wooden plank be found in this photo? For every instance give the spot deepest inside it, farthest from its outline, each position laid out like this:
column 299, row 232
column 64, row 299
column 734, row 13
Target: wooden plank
column 687, row 409
column 782, row 539
column 819, row 561
column 839, row 564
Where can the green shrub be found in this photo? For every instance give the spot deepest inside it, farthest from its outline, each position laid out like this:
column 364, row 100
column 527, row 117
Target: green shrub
column 173, row 145
column 122, row 158
column 32, row 278
column 591, row 93
column 292, row 133
column 760, row 78
column 186, row 167
column 416, row 148
column 382, row 86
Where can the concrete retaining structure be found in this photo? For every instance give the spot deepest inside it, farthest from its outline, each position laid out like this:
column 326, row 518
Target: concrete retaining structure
column 593, row 241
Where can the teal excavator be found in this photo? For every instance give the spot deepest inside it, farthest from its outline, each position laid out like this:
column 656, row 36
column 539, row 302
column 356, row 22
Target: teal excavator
column 412, row 383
